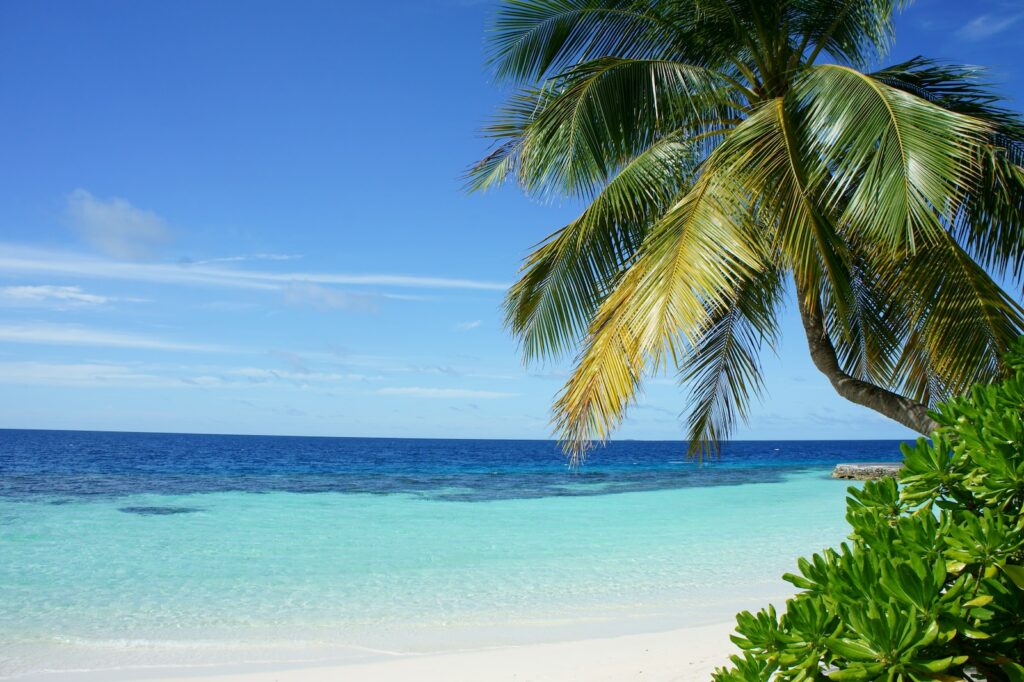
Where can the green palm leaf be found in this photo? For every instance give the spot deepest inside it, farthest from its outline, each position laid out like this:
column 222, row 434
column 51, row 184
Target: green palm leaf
column 991, row 223
column 609, row 110
column 565, row 279
column 535, row 38
column 571, row 136
column 853, row 31
column 964, row 322
column 869, row 327
column 692, row 261
column 898, row 165
column 955, row 87
column 723, row 368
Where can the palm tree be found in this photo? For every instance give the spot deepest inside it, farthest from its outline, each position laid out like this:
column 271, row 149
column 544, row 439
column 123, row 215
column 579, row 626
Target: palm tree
column 719, row 156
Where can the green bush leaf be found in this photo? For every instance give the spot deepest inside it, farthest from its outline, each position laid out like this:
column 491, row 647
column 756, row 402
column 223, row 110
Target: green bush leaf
column 1015, row 573
column 931, row 583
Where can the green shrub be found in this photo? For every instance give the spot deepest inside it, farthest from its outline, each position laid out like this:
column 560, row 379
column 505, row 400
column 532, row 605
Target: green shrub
column 930, row 585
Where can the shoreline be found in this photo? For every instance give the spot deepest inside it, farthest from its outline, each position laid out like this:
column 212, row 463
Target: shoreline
column 678, row 655
column 661, row 648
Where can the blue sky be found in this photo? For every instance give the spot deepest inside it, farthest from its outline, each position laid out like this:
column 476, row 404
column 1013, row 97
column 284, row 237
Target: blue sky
column 248, row 218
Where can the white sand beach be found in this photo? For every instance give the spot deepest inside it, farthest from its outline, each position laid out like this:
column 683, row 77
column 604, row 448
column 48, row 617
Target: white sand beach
column 681, row 655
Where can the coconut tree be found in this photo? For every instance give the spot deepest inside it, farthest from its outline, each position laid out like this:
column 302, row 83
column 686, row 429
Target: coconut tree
column 725, row 148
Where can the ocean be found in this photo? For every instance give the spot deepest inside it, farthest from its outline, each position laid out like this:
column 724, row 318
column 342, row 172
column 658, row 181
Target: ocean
column 136, row 550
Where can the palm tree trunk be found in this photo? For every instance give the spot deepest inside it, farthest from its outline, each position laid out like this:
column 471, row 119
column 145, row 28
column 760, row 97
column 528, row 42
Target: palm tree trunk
column 910, row 413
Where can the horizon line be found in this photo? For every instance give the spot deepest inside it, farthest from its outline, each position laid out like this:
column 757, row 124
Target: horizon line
column 534, row 440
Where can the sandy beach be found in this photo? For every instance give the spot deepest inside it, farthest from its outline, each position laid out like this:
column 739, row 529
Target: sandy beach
column 681, row 655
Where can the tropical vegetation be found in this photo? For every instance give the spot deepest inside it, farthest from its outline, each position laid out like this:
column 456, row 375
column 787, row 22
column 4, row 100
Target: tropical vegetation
column 728, row 152
column 931, row 583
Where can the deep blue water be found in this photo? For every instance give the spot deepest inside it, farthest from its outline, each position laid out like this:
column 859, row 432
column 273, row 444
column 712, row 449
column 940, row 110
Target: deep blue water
column 69, row 465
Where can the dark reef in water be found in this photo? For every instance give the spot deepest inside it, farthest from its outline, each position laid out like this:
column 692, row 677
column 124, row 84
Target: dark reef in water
column 159, row 511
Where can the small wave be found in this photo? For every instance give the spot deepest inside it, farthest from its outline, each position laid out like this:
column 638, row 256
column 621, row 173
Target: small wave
column 132, row 643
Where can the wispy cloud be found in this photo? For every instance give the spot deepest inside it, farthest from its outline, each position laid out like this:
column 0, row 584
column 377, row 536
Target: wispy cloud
column 228, row 306
column 988, row 25
column 327, row 298
column 260, row 375
column 446, row 370
column 394, row 366
column 22, row 260
column 115, row 227
column 29, row 261
column 296, row 361
column 93, row 374
column 74, row 335
column 88, row 375
column 409, row 281
column 50, row 295
column 466, row 326
column 443, row 393
column 250, row 257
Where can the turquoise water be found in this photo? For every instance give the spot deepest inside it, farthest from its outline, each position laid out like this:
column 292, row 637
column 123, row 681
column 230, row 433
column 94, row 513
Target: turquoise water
column 232, row 576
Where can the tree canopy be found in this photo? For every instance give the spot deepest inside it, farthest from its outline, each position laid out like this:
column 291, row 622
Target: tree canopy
column 724, row 147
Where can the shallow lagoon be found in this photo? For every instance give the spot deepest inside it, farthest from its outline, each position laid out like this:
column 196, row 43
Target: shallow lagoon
column 140, row 549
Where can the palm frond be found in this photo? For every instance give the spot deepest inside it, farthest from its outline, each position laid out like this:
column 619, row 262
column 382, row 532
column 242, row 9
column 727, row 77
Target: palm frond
column 764, row 154
column 955, row 87
column 691, row 262
column 566, row 278
column 533, row 39
column 507, row 129
column 606, row 111
column 867, row 329
column 962, row 321
column 991, row 223
column 914, row 375
column 492, row 170
column 897, row 165
column 855, row 32
column 572, row 135
column 723, row 368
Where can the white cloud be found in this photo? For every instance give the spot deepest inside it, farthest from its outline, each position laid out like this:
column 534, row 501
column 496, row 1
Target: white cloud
column 466, row 326
column 78, row 374
column 49, row 294
column 136, row 375
column 249, row 257
column 443, row 393
column 73, row 335
column 410, row 281
column 987, row 25
column 228, row 306
column 115, row 227
column 23, row 260
column 327, row 298
column 260, row 375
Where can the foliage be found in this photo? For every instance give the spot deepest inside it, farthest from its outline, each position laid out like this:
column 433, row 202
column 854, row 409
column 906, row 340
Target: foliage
column 720, row 156
column 931, row 584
